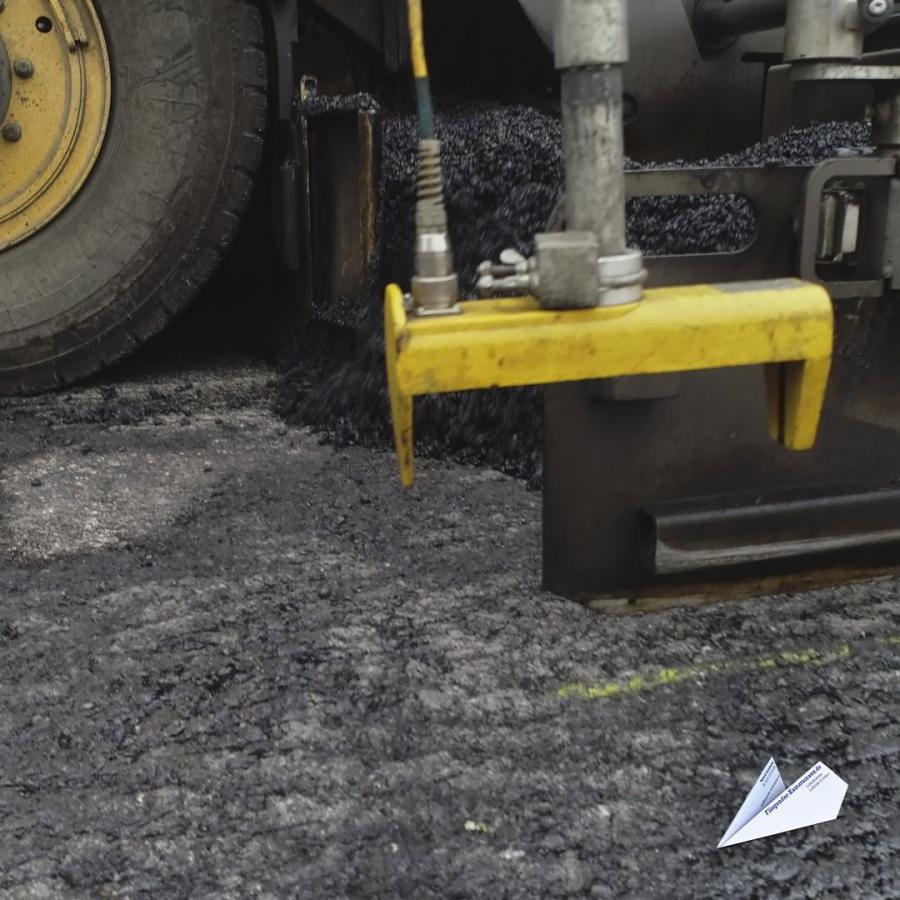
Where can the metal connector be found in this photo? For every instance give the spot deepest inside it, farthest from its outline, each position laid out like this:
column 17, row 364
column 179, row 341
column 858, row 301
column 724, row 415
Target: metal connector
column 567, row 270
column 621, row 278
column 566, row 273
column 435, row 285
column 514, row 274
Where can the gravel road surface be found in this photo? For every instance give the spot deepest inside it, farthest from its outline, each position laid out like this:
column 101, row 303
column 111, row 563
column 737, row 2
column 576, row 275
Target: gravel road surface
column 239, row 663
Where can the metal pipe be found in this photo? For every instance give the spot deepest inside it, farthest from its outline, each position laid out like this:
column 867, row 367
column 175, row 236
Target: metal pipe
column 591, row 48
column 721, row 20
column 822, row 29
column 594, row 148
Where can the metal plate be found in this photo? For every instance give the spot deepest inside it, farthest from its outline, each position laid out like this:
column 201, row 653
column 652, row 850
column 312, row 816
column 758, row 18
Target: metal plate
column 775, row 194
column 691, row 538
column 608, row 466
column 337, row 182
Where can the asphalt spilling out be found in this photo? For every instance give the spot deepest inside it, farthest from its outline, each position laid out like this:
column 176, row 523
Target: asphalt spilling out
column 503, row 171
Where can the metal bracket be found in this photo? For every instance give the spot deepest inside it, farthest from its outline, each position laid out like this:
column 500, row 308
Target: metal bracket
column 774, row 193
column 786, row 325
column 875, row 14
column 810, row 223
column 691, row 538
column 831, row 71
column 567, row 269
column 330, row 195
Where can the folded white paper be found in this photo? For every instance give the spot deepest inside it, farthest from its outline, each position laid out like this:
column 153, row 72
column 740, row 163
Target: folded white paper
column 770, row 808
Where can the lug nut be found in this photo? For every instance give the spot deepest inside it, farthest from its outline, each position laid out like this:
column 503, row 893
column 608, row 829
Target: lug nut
column 12, row 132
column 877, row 7
column 24, row 68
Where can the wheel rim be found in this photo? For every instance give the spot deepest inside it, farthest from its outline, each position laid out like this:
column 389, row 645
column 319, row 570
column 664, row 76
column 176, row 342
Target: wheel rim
column 53, row 128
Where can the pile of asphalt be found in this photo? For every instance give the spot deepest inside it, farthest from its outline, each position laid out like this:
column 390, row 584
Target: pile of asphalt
column 503, row 171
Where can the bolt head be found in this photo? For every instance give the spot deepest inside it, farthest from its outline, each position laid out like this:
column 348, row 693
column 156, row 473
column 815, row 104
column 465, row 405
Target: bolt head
column 24, row 68
column 877, row 7
column 12, row 132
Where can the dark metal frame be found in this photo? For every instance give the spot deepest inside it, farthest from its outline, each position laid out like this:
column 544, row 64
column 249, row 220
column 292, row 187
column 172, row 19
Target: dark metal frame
column 866, row 279
column 654, row 498
column 774, row 194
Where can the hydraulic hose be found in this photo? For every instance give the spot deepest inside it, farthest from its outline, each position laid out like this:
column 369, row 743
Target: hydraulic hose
column 435, row 285
column 424, row 104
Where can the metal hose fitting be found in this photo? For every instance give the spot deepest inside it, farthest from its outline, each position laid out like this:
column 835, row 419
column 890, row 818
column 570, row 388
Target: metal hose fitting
column 431, row 213
column 435, row 285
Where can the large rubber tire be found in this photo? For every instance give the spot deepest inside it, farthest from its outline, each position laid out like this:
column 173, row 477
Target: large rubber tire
column 162, row 204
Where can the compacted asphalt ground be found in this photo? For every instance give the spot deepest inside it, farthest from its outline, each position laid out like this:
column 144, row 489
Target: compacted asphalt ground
column 237, row 662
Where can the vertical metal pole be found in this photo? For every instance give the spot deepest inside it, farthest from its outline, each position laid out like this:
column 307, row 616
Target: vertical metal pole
column 591, row 48
column 595, row 154
column 822, row 29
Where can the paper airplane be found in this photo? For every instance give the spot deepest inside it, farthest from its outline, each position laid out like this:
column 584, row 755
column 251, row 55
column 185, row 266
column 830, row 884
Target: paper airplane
column 771, row 808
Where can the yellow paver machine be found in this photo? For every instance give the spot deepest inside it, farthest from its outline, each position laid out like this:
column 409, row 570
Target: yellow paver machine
column 715, row 425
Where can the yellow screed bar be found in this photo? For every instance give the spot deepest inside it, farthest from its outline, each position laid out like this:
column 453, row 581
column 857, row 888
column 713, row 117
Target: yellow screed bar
column 787, row 325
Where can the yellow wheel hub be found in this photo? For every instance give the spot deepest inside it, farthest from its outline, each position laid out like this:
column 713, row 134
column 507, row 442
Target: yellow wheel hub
column 55, row 89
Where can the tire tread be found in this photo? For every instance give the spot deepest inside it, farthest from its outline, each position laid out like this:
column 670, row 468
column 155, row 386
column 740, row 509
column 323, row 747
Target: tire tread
column 193, row 268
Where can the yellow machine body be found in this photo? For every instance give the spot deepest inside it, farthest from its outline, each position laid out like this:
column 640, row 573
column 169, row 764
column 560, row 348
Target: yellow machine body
column 786, row 325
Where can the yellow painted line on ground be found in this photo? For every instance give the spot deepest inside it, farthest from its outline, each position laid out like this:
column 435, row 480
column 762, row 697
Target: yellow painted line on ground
column 637, row 684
